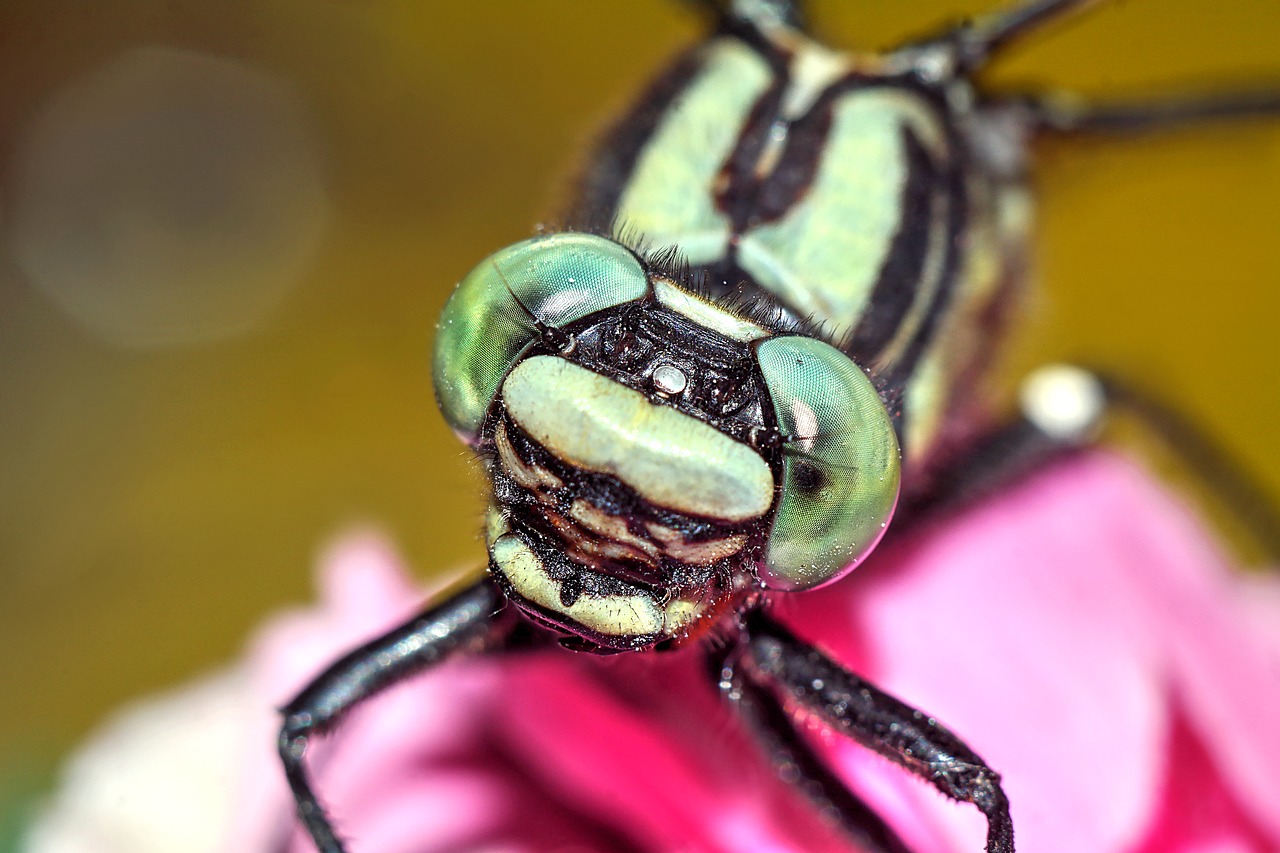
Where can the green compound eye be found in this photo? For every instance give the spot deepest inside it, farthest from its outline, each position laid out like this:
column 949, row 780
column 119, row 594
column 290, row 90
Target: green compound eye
column 840, row 468
column 490, row 319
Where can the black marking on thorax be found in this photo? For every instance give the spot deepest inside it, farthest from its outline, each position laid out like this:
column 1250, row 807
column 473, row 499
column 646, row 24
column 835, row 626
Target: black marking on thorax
column 609, row 168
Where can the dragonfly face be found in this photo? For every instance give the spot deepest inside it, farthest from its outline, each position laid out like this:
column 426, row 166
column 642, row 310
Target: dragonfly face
column 655, row 457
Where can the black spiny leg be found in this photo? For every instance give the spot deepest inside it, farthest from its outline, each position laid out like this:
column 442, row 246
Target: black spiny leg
column 790, row 13
column 963, row 49
column 1065, row 113
column 1225, row 477
column 1070, row 114
column 796, row 762
column 777, row 662
column 977, row 41
column 467, row 622
column 1063, row 410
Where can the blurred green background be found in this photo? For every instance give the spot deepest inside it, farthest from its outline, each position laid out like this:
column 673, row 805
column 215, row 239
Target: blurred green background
column 226, row 229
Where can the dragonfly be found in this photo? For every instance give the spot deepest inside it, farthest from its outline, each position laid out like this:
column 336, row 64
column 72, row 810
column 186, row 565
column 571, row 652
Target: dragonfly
column 743, row 358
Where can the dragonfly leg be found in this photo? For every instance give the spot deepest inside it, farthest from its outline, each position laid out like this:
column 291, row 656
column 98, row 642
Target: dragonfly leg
column 796, row 762
column 1063, row 409
column 1066, row 113
column 962, row 49
column 790, row 13
column 979, row 40
column 782, row 671
column 1222, row 474
column 466, row 622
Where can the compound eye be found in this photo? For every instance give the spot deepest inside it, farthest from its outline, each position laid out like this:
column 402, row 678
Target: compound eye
column 841, row 464
column 495, row 312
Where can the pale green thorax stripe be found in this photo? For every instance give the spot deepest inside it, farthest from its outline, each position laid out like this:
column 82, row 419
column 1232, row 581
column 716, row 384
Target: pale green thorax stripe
column 669, row 198
column 824, row 256
column 669, row 458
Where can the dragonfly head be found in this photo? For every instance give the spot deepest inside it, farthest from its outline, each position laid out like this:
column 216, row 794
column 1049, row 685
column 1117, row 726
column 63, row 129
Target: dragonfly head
column 654, row 456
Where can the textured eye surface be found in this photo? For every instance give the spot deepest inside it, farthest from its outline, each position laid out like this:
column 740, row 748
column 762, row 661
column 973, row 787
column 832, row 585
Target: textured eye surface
column 490, row 318
column 841, row 463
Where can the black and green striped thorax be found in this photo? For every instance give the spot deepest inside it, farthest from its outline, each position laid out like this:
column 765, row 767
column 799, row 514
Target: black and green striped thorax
column 848, row 190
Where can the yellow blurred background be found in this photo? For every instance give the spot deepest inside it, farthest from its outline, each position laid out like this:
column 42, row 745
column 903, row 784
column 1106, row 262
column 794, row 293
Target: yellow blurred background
column 226, row 229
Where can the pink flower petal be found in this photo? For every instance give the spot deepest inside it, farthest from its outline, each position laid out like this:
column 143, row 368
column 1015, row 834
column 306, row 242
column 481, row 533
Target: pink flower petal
column 1197, row 813
column 1050, row 628
column 650, row 748
column 364, row 590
